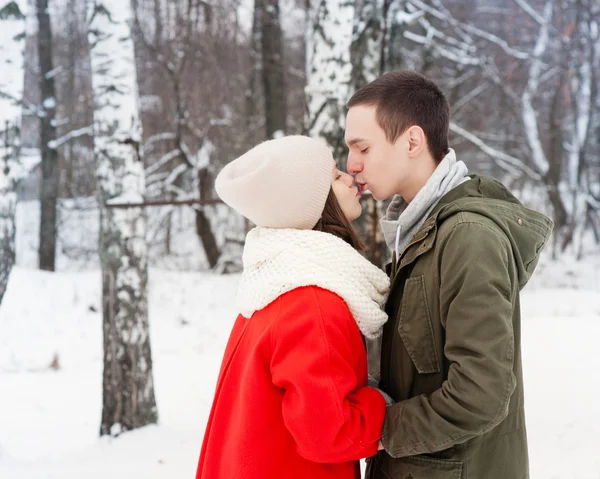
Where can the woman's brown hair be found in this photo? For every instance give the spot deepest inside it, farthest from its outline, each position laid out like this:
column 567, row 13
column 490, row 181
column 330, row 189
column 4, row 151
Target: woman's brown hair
column 333, row 221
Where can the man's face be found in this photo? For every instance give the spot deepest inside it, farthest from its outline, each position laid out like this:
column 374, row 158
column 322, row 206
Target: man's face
column 378, row 165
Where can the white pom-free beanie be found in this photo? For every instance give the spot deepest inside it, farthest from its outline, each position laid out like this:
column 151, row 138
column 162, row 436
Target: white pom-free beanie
column 281, row 183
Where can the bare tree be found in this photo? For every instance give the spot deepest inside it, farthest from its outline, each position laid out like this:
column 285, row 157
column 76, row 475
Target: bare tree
column 30, row 122
column 521, row 82
column 49, row 155
column 128, row 390
column 167, row 36
column 328, row 70
column 584, row 66
column 368, row 61
column 254, row 111
column 74, row 112
column 12, row 29
column 8, row 201
column 272, row 67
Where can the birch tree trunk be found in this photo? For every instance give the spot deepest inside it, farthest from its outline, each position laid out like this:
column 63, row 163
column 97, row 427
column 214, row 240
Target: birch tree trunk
column 367, row 42
column 582, row 105
column 12, row 29
column 328, row 70
column 128, row 391
column 30, row 122
column 49, row 154
column 368, row 63
column 8, row 201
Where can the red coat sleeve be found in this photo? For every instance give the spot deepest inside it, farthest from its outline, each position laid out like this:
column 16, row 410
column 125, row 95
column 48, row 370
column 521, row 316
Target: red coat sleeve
column 319, row 361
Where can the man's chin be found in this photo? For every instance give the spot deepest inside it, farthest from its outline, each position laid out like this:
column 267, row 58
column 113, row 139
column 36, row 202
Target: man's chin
column 376, row 196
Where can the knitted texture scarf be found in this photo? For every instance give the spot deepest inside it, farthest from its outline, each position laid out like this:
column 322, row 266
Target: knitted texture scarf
column 279, row 260
column 403, row 220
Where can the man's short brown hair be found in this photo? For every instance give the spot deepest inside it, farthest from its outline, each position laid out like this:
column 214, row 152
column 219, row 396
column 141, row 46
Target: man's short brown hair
column 404, row 98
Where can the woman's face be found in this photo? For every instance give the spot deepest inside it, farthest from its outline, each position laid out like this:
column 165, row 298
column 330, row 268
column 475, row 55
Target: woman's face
column 347, row 194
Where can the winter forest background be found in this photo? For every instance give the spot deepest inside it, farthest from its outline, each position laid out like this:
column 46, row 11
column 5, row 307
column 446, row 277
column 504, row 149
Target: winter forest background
column 118, row 264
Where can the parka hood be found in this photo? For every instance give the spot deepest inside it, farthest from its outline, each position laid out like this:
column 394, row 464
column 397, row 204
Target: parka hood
column 527, row 230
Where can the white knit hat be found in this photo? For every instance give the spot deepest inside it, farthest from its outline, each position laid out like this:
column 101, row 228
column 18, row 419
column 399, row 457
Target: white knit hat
column 281, row 183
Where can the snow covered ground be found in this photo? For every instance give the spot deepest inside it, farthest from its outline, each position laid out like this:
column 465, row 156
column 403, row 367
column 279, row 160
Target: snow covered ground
column 49, row 418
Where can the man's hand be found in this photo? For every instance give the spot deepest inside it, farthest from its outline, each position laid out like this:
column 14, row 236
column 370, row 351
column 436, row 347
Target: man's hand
column 380, row 446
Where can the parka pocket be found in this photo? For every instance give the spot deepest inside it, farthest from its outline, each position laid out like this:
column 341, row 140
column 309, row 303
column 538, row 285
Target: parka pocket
column 419, row 467
column 414, row 327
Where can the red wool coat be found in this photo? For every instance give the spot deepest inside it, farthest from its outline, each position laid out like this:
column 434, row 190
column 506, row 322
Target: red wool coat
column 291, row 400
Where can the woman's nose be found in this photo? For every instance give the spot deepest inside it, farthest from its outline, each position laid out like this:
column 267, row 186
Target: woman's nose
column 348, row 179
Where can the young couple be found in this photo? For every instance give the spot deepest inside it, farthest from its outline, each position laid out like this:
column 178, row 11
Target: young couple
column 292, row 399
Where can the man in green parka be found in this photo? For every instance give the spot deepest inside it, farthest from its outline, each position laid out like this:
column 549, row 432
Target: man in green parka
column 463, row 248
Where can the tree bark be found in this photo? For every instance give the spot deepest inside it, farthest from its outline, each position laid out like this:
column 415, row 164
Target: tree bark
column 12, row 28
column 328, row 71
column 30, row 123
column 8, row 203
column 254, row 105
column 552, row 178
column 272, row 68
column 203, row 226
column 49, row 156
column 128, row 400
column 368, row 62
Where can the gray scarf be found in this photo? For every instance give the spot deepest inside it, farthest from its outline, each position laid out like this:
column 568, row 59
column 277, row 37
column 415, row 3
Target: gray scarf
column 402, row 220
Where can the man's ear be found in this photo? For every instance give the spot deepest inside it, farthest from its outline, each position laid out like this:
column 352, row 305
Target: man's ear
column 416, row 141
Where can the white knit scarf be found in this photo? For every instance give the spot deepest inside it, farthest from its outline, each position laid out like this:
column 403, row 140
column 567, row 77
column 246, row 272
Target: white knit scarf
column 279, row 260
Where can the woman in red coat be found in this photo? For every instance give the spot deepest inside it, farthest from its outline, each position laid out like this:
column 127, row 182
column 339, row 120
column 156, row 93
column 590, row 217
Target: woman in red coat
column 292, row 399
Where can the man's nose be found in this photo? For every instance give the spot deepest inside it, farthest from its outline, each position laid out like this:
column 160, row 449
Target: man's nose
column 352, row 165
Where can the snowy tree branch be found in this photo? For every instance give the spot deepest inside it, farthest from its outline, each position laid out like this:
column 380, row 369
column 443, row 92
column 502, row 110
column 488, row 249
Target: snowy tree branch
column 529, row 114
column 505, row 161
column 541, row 19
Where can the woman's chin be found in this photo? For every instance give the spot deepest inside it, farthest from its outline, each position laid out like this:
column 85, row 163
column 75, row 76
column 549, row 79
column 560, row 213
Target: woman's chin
column 355, row 215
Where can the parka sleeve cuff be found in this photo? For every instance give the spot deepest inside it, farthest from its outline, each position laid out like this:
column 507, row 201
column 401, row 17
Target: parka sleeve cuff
column 392, row 439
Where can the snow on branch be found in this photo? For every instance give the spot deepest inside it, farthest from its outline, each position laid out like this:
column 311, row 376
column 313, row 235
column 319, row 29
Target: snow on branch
column 528, row 111
column 497, row 41
column 456, row 56
column 531, row 12
column 176, row 173
column 469, row 96
column 505, row 161
column 441, row 14
column 163, row 161
column 88, row 130
column 464, row 29
column 54, row 72
column 408, row 18
column 149, row 143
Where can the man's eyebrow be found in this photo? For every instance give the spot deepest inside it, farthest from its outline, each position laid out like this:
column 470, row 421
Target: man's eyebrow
column 354, row 141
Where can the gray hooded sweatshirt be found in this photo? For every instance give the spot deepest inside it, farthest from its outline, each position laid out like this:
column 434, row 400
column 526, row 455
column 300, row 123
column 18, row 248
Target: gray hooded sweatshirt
column 403, row 220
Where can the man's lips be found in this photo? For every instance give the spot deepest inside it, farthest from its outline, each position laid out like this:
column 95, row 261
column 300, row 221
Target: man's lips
column 363, row 188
